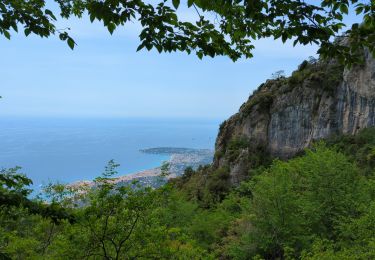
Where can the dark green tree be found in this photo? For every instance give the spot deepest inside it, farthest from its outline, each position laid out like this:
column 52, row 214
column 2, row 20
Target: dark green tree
column 297, row 203
column 222, row 27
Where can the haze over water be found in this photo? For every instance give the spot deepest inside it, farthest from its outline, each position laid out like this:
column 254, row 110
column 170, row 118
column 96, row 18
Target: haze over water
column 72, row 149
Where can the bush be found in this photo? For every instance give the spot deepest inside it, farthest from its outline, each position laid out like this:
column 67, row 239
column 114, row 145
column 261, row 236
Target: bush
column 322, row 76
column 217, row 187
column 235, row 146
column 297, row 201
column 360, row 148
column 262, row 99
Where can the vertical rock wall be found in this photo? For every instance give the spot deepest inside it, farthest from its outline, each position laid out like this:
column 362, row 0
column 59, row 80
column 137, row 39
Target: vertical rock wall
column 285, row 115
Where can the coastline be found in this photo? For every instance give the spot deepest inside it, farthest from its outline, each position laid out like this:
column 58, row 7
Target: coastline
column 179, row 160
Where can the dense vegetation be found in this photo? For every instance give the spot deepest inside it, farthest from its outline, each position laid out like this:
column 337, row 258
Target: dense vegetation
column 221, row 27
column 319, row 205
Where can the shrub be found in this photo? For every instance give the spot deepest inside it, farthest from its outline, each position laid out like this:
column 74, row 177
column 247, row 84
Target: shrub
column 263, row 99
column 297, row 201
column 360, row 148
column 235, row 146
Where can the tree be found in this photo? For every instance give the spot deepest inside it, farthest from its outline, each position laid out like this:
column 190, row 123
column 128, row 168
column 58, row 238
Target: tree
column 112, row 221
column 14, row 193
column 295, row 203
column 278, row 74
column 312, row 60
column 21, row 216
column 223, row 27
column 121, row 221
column 115, row 221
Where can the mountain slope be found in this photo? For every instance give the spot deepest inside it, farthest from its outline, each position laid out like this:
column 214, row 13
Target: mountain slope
column 284, row 115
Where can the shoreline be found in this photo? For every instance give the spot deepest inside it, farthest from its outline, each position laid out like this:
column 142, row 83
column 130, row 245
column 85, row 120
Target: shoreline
column 179, row 160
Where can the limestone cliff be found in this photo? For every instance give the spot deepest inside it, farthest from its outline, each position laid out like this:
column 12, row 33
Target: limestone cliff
column 284, row 115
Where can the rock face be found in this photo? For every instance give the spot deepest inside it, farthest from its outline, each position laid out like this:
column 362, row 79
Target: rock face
column 285, row 115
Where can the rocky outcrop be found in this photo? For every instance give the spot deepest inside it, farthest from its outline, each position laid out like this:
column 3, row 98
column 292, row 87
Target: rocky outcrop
column 285, row 115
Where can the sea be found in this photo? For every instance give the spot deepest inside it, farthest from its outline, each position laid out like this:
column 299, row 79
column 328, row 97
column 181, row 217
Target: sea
column 66, row 150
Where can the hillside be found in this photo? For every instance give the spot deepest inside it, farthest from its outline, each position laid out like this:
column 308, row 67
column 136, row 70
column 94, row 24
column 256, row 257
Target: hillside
column 316, row 203
column 319, row 205
column 285, row 115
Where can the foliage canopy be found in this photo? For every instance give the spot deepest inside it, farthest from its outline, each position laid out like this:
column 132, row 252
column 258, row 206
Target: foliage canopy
column 222, row 27
column 319, row 205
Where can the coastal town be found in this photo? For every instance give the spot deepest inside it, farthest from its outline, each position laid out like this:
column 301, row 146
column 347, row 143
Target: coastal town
column 179, row 160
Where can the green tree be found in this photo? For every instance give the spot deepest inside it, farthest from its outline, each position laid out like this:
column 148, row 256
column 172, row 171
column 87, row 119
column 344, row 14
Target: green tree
column 222, row 27
column 296, row 202
column 14, row 193
column 117, row 221
column 26, row 226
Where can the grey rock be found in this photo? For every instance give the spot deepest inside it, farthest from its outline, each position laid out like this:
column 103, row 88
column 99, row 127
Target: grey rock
column 285, row 118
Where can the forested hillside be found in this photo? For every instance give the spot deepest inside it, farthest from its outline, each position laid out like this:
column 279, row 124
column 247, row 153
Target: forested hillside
column 293, row 175
column 319, row 205
column 316, row 202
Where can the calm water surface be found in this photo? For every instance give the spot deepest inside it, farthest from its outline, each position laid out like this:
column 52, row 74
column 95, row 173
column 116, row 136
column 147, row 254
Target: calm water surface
column 67, row 150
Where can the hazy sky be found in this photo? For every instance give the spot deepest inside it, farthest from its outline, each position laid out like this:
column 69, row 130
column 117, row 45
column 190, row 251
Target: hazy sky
column 105, row 77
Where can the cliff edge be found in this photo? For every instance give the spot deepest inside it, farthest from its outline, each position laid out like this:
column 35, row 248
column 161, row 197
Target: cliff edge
column 284, row 115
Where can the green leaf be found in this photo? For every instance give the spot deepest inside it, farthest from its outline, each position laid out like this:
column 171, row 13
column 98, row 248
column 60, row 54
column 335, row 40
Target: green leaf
column 284, row 37
column 14, row 26
column 49, row 12
column 148, row 46
column 2, row 7
column 140, row 47
column 92, row 17
column 71, row 43
column 7, row 35
column 111, row 27
column 344, row 8
column 359, row 10
column 190, row 3
column 176, row 3
column 63, row 36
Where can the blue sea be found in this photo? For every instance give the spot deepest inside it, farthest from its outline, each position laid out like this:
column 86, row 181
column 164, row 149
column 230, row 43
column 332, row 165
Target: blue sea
column 72, row 149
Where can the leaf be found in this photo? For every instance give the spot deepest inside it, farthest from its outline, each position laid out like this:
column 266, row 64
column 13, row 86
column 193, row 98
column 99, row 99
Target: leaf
column 7, row 35
column 295, row 42
column 344, row 8
column 159, row 48
column 2, row 7
column 284, row 37
column 140, row 47
column 63, row 36
column 49, row 12
column 359, row 10
column 111, row 27
column 92, row 17
column 14, row 26
column 71, row 43
column 190, row 3
column 176, row 3
column 148, row 46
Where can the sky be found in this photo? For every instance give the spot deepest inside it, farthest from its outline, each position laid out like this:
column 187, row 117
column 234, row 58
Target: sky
column 104, row 76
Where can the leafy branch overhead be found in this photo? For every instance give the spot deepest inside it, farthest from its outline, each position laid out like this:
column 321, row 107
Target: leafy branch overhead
column 222, row 27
